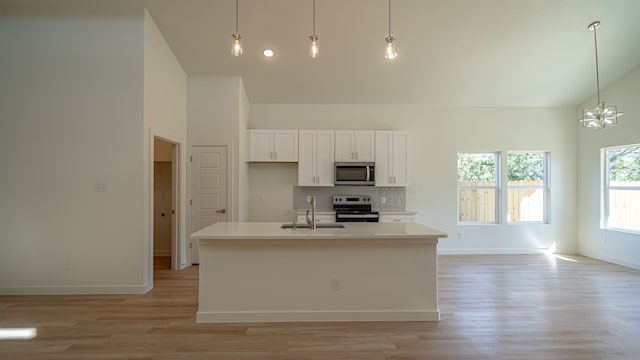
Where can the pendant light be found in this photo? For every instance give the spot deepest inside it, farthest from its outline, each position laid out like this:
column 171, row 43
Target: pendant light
column 599, row 116
column 314, row 50
column 236, row 47
column 390, row 52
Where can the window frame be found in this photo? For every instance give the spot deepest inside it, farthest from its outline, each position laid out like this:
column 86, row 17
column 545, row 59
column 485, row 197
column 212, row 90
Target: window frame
column 496, row 187
column 546, row 165
column 605, row 210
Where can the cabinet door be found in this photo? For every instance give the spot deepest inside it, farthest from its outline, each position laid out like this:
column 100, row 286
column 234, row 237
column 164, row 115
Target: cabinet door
column 320, row 219
column 306, row 158
column 399, row 159
column 286, row 145
column 364, row 145
column 397, row 218
column 344, row 149
column 324, row 158
column 384, row 159
column 260, row 145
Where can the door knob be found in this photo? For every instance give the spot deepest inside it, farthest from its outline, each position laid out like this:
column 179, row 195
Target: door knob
column 221, row 211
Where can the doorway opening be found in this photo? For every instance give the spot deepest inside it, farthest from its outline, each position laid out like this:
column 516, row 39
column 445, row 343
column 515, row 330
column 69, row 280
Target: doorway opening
column 165, row 191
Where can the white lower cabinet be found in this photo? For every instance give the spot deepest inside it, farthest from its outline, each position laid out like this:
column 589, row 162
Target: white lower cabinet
column 397, row 218
column 315, row 158
column 320, row 219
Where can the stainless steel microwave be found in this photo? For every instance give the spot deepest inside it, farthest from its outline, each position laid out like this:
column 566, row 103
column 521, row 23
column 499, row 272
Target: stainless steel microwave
column 355, row 173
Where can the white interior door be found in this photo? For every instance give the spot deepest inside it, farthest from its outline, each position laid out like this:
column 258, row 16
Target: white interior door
column 208, row 189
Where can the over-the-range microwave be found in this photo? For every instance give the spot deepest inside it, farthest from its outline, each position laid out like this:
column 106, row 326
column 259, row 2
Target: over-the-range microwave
column 355, row 173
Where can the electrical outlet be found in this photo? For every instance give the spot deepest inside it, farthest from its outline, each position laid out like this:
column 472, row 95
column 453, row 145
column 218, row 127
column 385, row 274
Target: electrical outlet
column 460, row 235
column 308, row 199
column 67, row 265
column 101, row 187
column 383, row 200
column 335, row 283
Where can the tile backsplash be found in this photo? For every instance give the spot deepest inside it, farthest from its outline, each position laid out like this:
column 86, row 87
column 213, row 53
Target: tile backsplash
column 394, row 196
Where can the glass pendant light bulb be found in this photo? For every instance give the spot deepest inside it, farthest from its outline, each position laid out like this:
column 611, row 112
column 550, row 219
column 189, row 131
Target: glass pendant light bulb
column 236, row 47
column 390, row 52
column 314, row 50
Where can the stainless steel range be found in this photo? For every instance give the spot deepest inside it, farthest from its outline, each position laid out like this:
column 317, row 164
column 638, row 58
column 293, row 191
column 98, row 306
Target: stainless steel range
column 354, row 208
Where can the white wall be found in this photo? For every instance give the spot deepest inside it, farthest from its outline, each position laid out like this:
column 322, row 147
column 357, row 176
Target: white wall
column 71, row 109
column 217, row 110
column 436, row 135
column 165, row 116
column 620, row 247
column 243, row 150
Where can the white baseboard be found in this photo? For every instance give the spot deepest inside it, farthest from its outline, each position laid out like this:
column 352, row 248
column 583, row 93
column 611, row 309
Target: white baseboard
column 613, row 260
column 496, row 251
column 313, row 316
column 74, row 290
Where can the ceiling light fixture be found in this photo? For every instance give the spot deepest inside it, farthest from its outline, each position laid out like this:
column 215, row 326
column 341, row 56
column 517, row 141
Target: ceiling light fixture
column 599, row 116
column 313, row 49
column 236, row 47
column 390, row 52
column 267, row 53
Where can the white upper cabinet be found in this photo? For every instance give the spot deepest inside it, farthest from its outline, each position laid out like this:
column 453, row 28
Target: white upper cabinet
column 273, row 145
column 357, row 146
column 316, row 158
column 391, row 158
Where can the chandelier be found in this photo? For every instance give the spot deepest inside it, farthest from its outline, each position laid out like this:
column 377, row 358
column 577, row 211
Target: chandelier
column 599, row 116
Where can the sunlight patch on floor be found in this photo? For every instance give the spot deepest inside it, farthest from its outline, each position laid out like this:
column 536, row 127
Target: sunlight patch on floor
column 18, row 333
column 552, row 249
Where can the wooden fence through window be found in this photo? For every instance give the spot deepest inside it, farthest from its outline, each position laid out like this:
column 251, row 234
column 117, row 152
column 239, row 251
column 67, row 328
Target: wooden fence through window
column 477, row 204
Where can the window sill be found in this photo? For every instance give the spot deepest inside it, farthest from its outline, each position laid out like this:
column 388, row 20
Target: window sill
column 621, row 230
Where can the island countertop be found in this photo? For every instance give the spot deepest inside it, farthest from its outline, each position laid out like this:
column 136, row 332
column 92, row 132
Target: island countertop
column 273, row 230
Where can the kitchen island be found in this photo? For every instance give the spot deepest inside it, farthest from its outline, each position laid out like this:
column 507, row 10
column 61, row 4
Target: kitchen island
column 259, row 272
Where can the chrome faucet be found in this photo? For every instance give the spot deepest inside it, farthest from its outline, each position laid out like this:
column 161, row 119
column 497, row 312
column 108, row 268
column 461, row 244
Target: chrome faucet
column 312, row 221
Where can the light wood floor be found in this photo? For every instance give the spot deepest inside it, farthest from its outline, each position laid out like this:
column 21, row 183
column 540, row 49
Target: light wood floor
column 493, row 307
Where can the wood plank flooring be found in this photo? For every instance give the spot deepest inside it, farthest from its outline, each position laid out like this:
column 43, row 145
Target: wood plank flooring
column 493, row 307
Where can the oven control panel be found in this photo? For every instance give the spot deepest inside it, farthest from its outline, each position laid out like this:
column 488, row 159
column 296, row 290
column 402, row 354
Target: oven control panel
column 351, row 200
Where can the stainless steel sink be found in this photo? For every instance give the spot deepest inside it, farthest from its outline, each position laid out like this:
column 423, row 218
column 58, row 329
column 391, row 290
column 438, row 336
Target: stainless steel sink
column 318, row 226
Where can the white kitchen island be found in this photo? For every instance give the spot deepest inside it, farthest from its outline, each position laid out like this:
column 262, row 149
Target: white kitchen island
column 258, row 272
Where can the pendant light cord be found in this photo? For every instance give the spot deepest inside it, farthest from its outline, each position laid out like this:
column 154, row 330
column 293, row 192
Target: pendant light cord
column 595, row 41
column 314, row 17
column 389, row 18
column 237, row 16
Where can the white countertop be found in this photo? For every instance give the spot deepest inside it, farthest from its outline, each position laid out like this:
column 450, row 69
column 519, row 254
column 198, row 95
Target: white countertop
column 271, row 230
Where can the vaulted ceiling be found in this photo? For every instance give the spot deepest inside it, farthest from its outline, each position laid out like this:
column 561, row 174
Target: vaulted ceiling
column 451, row 52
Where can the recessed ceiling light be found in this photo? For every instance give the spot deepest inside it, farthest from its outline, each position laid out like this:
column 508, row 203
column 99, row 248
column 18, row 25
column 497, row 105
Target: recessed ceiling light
column 267, row 52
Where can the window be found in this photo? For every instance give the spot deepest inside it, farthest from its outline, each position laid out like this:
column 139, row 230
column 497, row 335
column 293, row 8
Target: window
column 478, row 187
column 526, row 187
column 622, row 187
